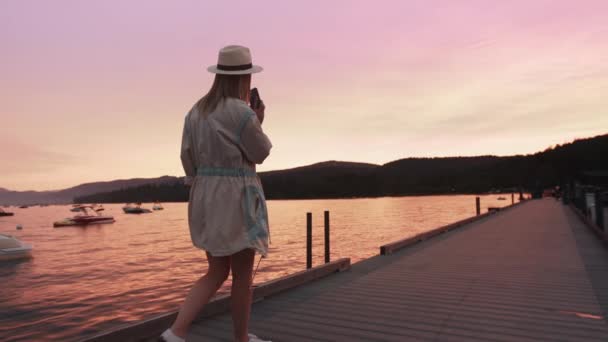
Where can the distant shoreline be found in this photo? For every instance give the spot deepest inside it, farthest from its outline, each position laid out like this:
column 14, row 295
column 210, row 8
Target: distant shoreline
column 347, row 198
column 555, row 166
column 298, row 199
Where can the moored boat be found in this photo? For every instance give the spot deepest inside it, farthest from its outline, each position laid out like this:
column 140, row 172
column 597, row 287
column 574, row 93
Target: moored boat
column 11, row 248
column 137, row 209
column 5, row 213
column 157, row 206
column 90, row 215
column 76, row 207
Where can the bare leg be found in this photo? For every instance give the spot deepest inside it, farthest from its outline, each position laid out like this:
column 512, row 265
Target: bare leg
column 200, row 293
column 242, row 267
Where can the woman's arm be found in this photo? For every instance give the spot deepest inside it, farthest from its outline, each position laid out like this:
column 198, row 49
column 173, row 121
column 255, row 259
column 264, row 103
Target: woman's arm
column 259, row 112
column 186, row 154
column 252, row 140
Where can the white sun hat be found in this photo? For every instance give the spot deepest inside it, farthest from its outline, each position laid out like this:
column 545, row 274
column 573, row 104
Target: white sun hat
column 234, row 60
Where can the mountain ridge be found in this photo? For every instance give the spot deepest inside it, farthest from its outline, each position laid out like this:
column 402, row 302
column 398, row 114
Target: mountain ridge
column 412, row 175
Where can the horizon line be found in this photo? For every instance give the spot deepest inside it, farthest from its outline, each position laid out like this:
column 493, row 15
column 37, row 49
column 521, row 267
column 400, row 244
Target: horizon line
column 328, row 161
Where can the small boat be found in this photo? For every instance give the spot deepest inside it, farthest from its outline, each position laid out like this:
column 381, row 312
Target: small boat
column 97, row 207
column 157, row 206
column 5, row 213
column 23, row 206
column 90, row 215
column 137, row 209
column 11, row 248
column 502, row 198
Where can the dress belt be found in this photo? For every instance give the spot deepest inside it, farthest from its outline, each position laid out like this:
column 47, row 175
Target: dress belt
column 225, row 172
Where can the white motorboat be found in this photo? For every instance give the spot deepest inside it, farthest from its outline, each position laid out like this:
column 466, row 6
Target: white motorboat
column 157, row 206
column 5, row 213
column 137, row 209
column 11, row 248
column 90, row 215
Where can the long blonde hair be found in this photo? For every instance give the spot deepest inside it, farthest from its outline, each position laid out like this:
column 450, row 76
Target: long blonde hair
column 224, row 86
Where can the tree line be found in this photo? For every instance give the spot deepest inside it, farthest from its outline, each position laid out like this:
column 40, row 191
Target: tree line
column 411, row 176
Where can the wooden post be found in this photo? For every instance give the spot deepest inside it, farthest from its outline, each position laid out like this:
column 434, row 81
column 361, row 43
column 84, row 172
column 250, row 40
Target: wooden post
column 564, row 190
column 579, row 198
column 512, row 198
column 308, row 240
column 570, row 198
column 599, row 210
column 477, row 206
column 326, row 236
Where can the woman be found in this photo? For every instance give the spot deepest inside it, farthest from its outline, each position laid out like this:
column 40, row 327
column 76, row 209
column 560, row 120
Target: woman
column 222, row 141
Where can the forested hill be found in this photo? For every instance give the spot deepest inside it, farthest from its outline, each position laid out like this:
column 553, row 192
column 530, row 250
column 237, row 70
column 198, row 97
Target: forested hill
column 408, row 176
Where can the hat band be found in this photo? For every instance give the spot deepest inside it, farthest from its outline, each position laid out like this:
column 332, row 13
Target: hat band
column 234, row 67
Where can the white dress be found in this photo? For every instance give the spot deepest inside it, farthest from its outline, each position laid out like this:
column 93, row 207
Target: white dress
column 227, row 208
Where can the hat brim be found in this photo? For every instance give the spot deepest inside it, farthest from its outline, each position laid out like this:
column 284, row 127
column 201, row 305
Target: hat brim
column 253, row 70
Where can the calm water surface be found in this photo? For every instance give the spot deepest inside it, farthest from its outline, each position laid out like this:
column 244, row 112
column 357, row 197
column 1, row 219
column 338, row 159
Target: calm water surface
column 84, row 280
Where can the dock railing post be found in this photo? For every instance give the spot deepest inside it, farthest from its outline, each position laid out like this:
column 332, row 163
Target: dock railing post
column 326, row 236
column 579, row 198
column 599, row 210
column 308, row 240
column 477, row 206
column 512, row 198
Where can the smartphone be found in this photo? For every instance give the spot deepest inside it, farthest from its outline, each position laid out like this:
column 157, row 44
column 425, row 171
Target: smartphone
column 254, row 98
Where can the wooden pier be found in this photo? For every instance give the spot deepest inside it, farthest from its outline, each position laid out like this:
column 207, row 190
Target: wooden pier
column 534, row 272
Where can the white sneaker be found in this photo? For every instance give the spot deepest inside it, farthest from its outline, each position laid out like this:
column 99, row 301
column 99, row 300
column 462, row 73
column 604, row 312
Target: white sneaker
column 253, row 338
column 169, row 336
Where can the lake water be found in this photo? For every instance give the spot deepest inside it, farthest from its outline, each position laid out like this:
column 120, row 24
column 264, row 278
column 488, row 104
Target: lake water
column 85, row 280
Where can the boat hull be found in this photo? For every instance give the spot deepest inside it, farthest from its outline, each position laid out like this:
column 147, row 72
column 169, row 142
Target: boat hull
column 136, row 211
column 13, row 249
column 24, row 252
column 73, row 222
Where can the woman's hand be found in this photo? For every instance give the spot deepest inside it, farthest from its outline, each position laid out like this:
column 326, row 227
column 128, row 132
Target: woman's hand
column 259, row 112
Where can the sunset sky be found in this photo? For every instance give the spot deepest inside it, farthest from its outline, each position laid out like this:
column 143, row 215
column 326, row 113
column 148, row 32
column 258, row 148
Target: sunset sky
column 97, row 90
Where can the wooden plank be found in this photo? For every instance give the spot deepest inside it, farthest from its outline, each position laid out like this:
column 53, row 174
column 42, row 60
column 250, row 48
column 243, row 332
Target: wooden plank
column 278, row 285
column 591, row 225
column 515, row 276
column 156, row 325
column 392, row 247
column 508, row 278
